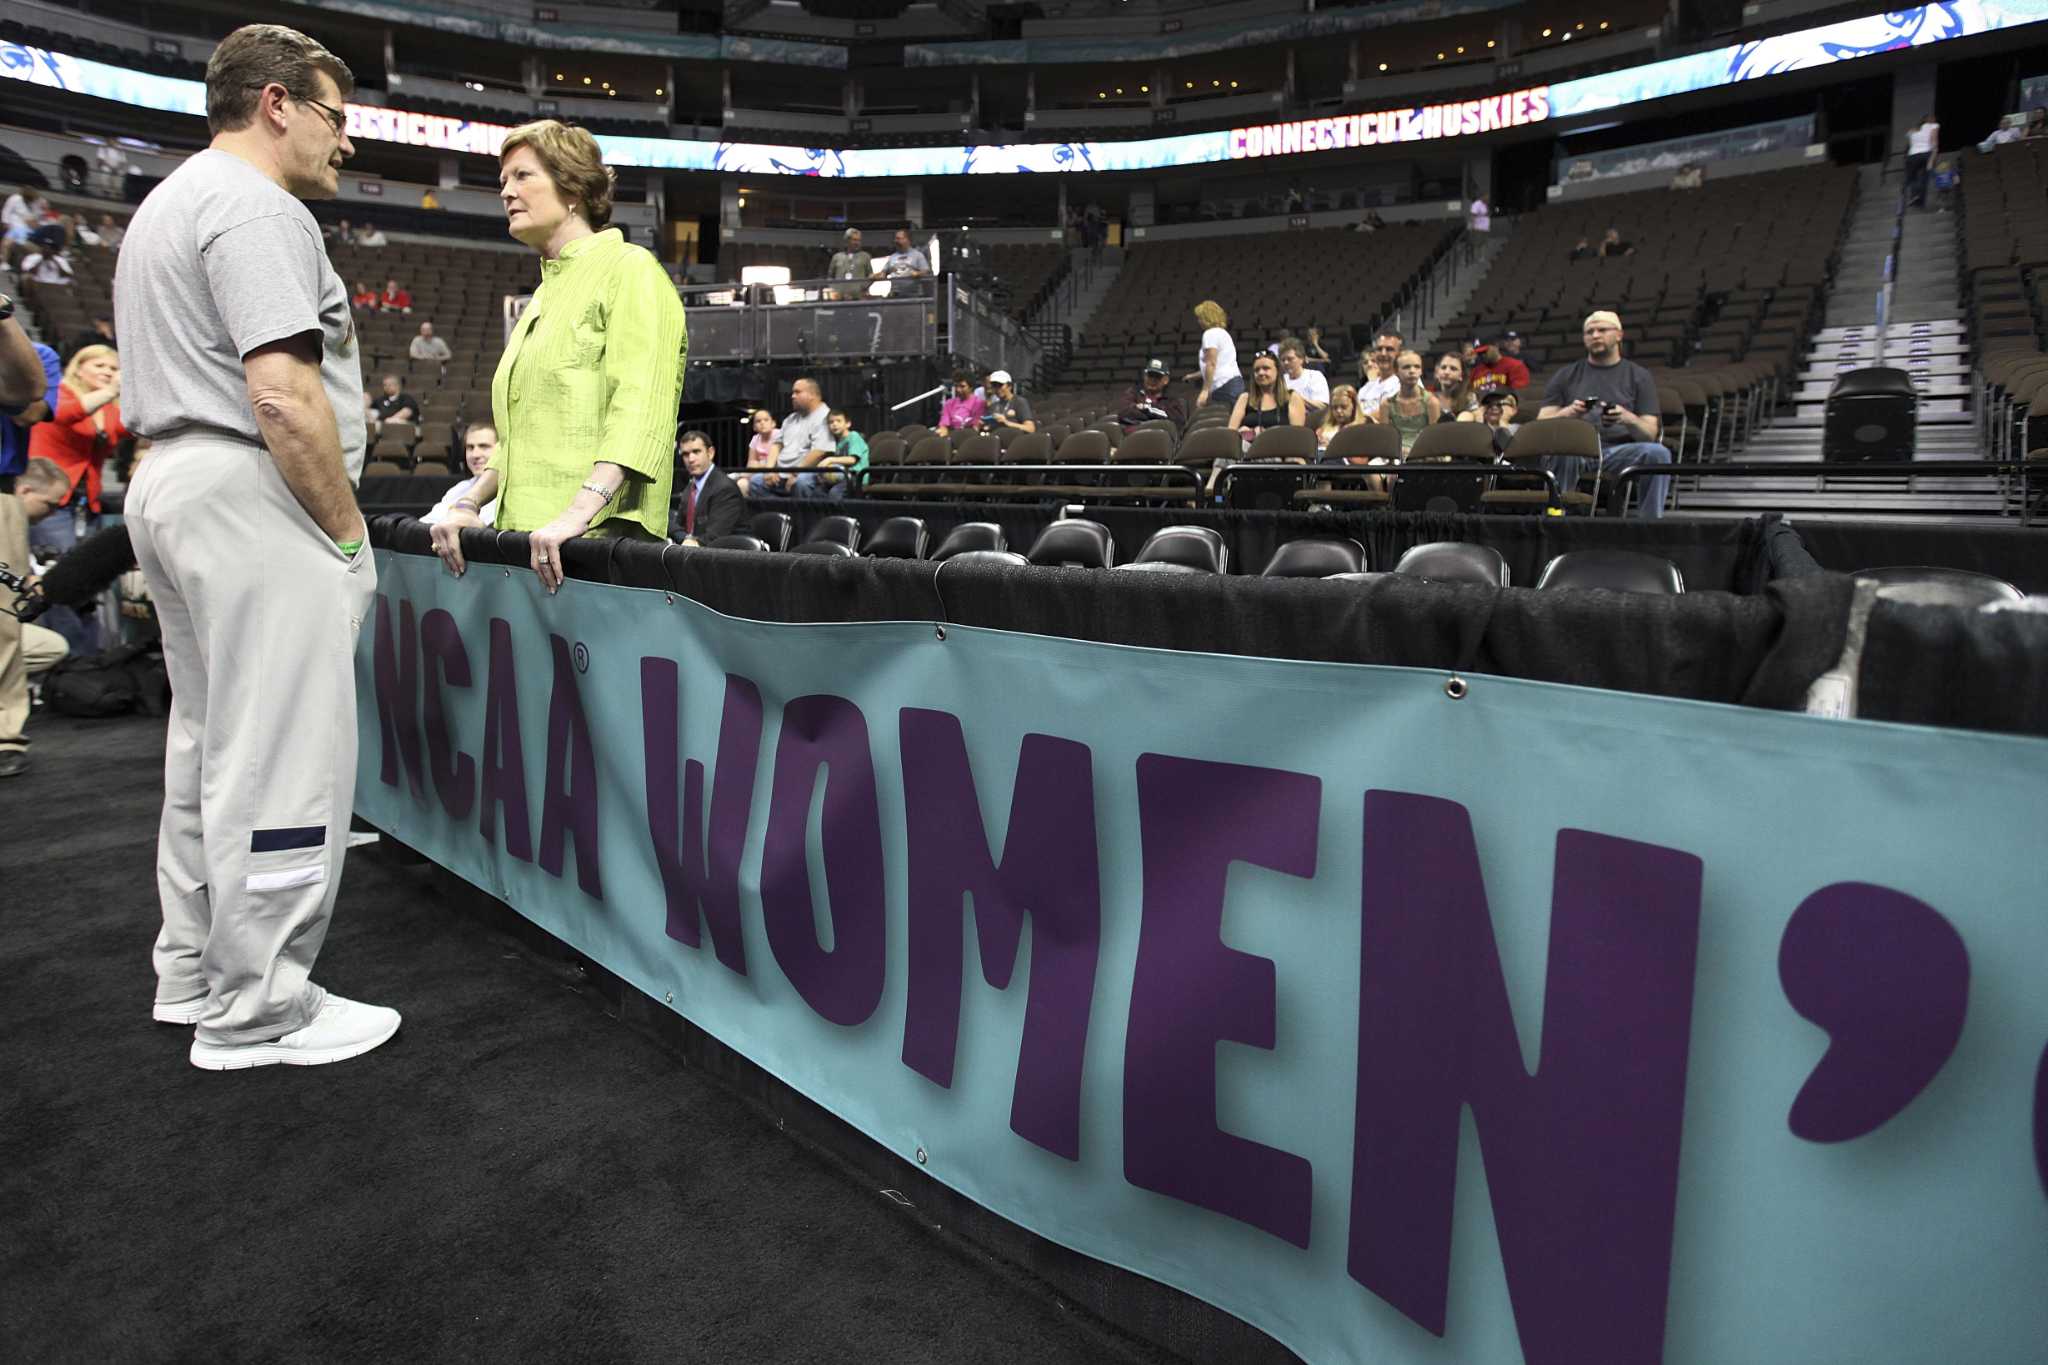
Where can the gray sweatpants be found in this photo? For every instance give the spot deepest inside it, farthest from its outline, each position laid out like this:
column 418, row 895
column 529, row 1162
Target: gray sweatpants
column 259, row 611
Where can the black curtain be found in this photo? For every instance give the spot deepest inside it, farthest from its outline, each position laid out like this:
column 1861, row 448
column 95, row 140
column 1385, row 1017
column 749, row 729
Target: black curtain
column 1760, row 649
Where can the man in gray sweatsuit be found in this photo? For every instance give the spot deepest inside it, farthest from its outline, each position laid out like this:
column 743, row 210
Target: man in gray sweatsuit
column 240, row 357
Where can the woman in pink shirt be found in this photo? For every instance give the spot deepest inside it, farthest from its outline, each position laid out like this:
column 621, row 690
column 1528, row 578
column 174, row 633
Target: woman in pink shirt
column 964, row 408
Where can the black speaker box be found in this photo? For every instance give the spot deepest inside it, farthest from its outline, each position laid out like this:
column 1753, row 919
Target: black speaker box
column 1871, row 414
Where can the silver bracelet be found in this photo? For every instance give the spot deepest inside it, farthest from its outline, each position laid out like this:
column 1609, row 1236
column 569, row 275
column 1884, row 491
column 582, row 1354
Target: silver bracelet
column 604, row 494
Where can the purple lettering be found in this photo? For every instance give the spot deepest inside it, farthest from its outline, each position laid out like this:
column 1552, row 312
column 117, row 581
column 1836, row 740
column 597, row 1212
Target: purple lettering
column 1048, row 871
column 454, row 772
column 569, row 804
column 504, row 755
column 397, row 670
column 1887, row 976
column 1582, row 1158
column 1189, row 992
column 842, row 983
column 700, row 870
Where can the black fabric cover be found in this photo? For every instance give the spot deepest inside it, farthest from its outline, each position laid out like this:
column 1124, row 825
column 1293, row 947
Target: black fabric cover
column 1765, row 649
column 1980, row 670
column 1725, row 555
column 2017, row 555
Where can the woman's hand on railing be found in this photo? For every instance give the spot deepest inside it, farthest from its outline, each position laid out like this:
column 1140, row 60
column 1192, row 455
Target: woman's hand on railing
column 447, row 537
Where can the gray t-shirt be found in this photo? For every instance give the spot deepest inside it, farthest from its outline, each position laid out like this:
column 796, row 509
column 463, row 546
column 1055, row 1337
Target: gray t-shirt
column 1625, row 383
column 803, row 433
column 219, row 261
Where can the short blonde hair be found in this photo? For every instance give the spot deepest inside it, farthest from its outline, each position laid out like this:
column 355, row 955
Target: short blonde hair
column 1210, row 314
column 86, row 353
column 572, row 160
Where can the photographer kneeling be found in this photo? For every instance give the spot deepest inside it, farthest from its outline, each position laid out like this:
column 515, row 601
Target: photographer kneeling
column 1620, row 399
column 25, row 649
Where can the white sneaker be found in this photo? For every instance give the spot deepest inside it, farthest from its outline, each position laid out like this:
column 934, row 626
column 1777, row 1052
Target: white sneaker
column 184, row 1012
column 343, row 1029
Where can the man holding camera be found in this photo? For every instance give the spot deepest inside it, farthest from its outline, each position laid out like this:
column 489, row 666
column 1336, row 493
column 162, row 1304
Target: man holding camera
column 1620, row 399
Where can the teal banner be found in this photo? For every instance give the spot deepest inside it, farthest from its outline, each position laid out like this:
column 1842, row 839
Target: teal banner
column 1408, row 1018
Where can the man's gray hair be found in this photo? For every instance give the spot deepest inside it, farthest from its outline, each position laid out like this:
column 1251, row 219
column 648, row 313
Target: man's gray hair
column 46, row 476
column 256, row 55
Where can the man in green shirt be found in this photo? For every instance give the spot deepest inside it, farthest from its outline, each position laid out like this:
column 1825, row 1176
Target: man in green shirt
column 849, row 457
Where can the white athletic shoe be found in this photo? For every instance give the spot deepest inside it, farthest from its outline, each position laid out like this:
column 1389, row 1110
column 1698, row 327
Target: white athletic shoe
column 184, row 1012
column 343, row 1029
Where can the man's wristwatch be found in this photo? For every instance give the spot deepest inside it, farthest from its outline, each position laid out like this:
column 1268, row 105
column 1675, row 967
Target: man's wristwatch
column 6, row 307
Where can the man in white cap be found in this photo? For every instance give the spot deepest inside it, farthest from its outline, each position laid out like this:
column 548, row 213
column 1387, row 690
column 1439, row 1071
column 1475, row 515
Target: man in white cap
column 1006, row 408
column 1620, row 399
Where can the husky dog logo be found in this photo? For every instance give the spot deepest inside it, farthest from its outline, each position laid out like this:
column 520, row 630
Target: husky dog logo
column 762, row 158
column 1019, row 157
column 1853, row 38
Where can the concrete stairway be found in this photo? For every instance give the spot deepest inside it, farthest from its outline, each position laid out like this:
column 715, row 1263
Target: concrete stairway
column 1471, row 273
column 1097, row 270
column 1873, row 230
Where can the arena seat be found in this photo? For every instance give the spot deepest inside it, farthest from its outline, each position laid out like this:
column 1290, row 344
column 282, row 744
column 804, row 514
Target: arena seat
column 1540, row 440
column 970, row 535
column 1074, row 543
column 898, row 538
column 836, row 530
column 774, row 528
column 1614, row 570
column 1928, row 586
column 1007, row 557
column 1283, row 443
column 1315, row 557
column 1455, row 561
column 1182, row 549
column 832, row 549
column 739, row 541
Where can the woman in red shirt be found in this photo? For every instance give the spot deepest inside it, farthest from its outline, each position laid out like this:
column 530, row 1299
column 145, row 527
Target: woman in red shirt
column 87, row 425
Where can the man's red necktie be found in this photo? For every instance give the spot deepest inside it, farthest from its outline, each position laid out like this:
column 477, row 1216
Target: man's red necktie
column 690, row 512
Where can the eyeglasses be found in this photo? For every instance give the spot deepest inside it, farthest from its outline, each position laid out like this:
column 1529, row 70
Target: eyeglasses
column 336, row 118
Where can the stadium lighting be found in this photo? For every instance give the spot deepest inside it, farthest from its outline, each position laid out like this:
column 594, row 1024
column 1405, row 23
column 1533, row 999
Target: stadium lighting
column 659, row 91
column 586, row 80
column 1461, row 52
column 1233, row 85
column 558, row 75
column 1119, row 90
column 1383, row 66
column 1603, row 23
column 1144, row 89
column 1489, row 43
column 1546, row 33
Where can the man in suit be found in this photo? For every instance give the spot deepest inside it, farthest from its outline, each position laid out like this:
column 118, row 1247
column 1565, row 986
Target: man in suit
column 708, row 504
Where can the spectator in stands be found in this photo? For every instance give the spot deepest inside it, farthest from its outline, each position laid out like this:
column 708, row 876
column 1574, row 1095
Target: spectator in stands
column 427, row 346
column 851, row 263
column 1453, row 395
column 1620, row 398
column 1148, row 399
column 80, row 434
column 1496, row 367
column 479, row 444
column 962, row 412
column 1921, row 144
column 1412, row 407
column 102, row 334
column 1215, row 357
column 1267, row 402
column 1948, row 175
column 1314, row 348
column 764, row 450
column 1613, row 245
column 1007, row 407
column 429, row 200
column 1581, row 250
column 113, row 169
column 20, row 216
column 844, row 468
column 1342, row 412
column 371, row 236
column 1379, row 373
column 803, row 440
column 1478, row 215
column 585, row 395
column 1312, row 385
column 906, row 262
column 1497, row 410
column 25, row 648
column 364, row 297
column 396, row 298
column 47, row 267
column 1689, row 177
column 2037, row 122
column 341, row 234
column 390, row 404
column 709, row 504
